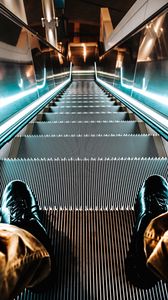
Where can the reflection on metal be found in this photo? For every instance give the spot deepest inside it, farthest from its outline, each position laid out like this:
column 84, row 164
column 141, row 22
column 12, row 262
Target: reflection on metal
column 119, row 61
column 139, row 13
column 106, row 27
column 29, row 68
column 50, row 21
column 14, row 122
column 16, row 7
column 156, row 120
column 11, row 99
column 61, row 61
column 156, row 97
column 18, row 52
column 143, row 72
column 76, row 38
column 81, row 53
column 152, row 33
column 84, row 52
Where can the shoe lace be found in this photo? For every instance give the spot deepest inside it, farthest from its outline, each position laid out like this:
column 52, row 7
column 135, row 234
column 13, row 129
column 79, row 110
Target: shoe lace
column 158, row 201
column 20, row 210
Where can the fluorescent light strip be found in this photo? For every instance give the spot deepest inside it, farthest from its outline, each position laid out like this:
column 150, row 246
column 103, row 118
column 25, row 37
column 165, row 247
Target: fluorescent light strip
column 8, row 100
column 158, row 98
column 83, row 72
column 58, row 75
column 11, row 122
column 108, row 74
column 11, row 99
column 141, row 107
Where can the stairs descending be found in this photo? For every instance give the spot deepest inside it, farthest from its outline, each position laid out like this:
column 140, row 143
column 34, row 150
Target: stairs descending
column 85, row 158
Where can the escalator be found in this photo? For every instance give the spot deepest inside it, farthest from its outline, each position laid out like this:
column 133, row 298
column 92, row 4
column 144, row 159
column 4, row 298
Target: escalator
column 83, row 149
column 85, row 157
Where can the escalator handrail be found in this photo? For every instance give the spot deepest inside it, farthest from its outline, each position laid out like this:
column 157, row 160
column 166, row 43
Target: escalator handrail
column 16, row 123
column 151, row 117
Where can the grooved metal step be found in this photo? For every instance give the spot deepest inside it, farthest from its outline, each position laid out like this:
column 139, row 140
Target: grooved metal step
column 85, row 108
column 92, row 146
column 83, row 102
column 121, row 116
column 44, row 128
column 84, row 93
column 90, row 257
column 83, row 183
column 85, row 97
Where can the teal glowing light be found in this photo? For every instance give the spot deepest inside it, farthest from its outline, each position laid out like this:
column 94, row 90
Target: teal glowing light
column 12, row 122
column 158, row 98
column 8, row 100
column 158, row 120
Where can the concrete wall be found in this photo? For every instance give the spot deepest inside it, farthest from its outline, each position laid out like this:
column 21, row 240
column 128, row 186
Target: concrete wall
column 16, row 7
column 139, row 12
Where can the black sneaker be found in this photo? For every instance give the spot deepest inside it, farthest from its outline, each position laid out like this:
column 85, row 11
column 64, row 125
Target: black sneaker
column 152, row 200
column 19, row 207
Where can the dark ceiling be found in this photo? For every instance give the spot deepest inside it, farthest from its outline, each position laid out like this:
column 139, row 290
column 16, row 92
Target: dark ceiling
column 87, row 12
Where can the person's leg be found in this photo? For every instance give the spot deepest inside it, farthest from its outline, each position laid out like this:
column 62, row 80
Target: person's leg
column 20, row 208
column 156, row 246
column 152, row 201
column 24, row 261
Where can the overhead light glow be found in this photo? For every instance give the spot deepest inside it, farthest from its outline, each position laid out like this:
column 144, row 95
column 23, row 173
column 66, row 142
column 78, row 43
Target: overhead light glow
column 84, row 52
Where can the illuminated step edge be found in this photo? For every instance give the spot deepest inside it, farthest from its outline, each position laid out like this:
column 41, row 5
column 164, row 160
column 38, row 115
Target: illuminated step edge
column 88, row 135
column 86, row 208
column 78, row 159
column 89, row 122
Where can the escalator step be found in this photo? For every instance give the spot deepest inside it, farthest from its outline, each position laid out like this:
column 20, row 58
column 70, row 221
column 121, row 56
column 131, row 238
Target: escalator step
column 87, row 146
column 83, row 183
column 85, row 108
column 84, row 102
column 85, row 97
column 127, row 127
column 90, row 257
column 121, row 116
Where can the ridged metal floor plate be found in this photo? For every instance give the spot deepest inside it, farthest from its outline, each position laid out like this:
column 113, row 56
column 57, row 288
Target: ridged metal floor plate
column 120, row 116
column 85, row 108
column 45, row 128
column 92, row 146
column 90, row 257
column 85, row 97
column 83, row 102
column 92, row 184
